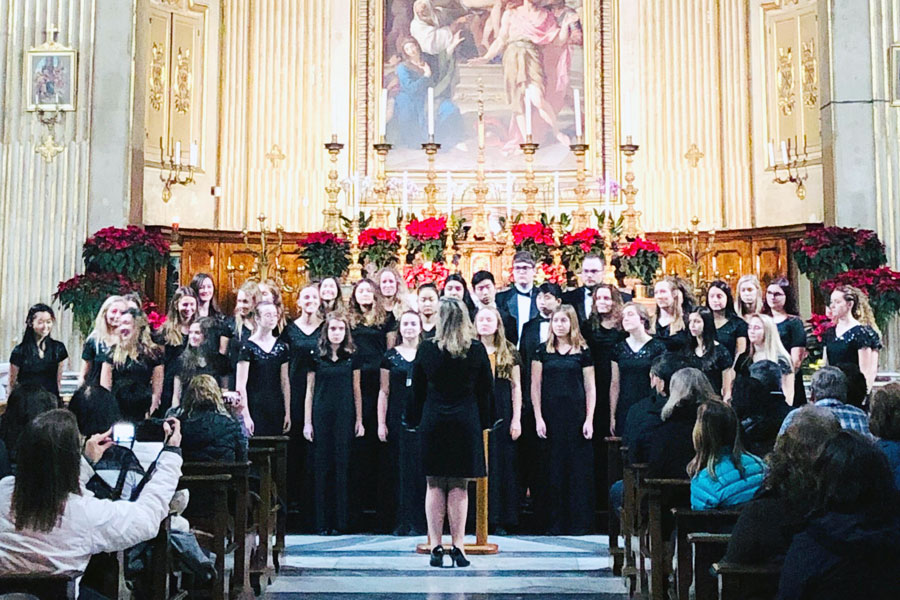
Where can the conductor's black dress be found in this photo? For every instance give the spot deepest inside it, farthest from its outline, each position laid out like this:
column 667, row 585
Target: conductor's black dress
column 454, row 398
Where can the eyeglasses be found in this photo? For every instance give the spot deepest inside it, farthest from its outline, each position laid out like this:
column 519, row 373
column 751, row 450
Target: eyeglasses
column 591, row 271
column 523, row 267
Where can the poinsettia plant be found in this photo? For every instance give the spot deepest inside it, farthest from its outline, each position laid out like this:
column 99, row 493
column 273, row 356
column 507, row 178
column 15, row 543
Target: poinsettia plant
column 427, row 272
column 536, row 238
column 378, row 246
column 881, row 285
column 825, row 252
column 550, row 272
column 131, row 251
column 84, row 294
column 640, row 259
column 816, row 328
column 427, row 236
column 326, row 254
column 576, row 245
column 154, row 316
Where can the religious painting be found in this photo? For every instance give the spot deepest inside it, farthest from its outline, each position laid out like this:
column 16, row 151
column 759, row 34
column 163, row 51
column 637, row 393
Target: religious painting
column 526, row 62
column 894, row 66
column 50, row 78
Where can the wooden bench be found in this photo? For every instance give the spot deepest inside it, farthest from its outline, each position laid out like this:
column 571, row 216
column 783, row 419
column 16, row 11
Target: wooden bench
column 745, row 582
column 211, row 526
column 688, row 521
column 42, row 586
column 708, row 548
column 632, row 525
column 614, row 474
column 261, row 459
column 279, row 443
column 662, row 495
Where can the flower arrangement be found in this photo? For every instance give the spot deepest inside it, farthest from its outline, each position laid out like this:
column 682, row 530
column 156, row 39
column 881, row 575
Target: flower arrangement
column 881, row 285
column 816, row 328
column 155, row 317
column 427, row 236
column 326, row 254
column 378, row 246
column 576, row 245
column 640, row 259
column 536, row 238
column 427, row 272
column 132, row 251
column 84, row 294
column 819, row 326
column 551, row 272
column 825, row 252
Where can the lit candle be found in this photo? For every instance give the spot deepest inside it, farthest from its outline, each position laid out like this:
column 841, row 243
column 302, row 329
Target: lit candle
column 430, row 112
column 577, row 113
column 771, row 153
column 449, row 194
column 556, row 193
column 509, row 193
column 404, row 206
column 178, row 153
column 194, row 154
column 176, row 223
column 527, row 115
column 382, row 122
column 715, row 266
column 784, row 152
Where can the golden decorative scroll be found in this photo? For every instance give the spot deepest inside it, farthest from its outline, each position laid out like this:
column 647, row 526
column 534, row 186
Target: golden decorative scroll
column 810, row 74
column 183, row 81
column 785, row 81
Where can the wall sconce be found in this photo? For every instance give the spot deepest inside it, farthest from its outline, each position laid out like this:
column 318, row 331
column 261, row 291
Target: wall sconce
column 174, row 172
column 793, row 163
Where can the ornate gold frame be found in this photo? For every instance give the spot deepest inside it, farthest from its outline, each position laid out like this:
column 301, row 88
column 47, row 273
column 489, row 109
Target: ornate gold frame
column 600, row 24
column 50, row 48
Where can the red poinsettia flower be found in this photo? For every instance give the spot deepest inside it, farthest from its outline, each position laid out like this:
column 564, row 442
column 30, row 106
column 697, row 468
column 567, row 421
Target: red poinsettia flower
column 535, row 232
column 820, row 325
column 369, row 237
column 432, row 228
column 319, row 237
column 435, row 272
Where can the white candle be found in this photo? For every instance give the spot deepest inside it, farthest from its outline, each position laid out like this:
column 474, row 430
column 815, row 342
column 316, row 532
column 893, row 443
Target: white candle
column 556, row 193
column 449, row 194
column 577, row 113
column 784, row 154
column 430, row 112
column 382, row 122
column 771, row 153
column 193, row 154
column 715, row 266
column 404, row 206
column 178, row 153
column 509, row 193
column 527, row 115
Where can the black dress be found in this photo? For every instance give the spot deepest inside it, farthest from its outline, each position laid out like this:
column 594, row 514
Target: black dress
column 674, row 342
column 333, row 418
column 793, row 335
column 634, row 375
column 134, row 372
column 400, row 474
column 712, row 364
column 37, row 369
column 503, row 487
column 300, row 469
column 94, row 351
column 235, row 342
column 729, row 333
column 569, row 457
column 171, row 352
column 845, row 348
column 452, row 406
column 265, row 399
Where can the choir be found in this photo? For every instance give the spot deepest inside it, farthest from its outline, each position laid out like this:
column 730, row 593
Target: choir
column 568, row 368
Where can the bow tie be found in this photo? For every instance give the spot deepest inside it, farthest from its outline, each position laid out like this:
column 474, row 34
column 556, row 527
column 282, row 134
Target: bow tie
column 521, row 293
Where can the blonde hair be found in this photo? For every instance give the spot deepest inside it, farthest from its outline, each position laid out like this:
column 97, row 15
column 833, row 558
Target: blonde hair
column 101, row 333
column 505, row 355
column 275, row 288
column 142, row 345
column 687, row 386
column 862, row 310
column 250, row 289
column 454, row 331
column 772, row 348
column 677, row 309
column 575, row 337
column 171, row 330
column 757, row 307
column 203, row 391
column 401, row 298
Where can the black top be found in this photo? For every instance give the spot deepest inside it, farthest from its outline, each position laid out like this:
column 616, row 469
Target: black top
column 139, row 372
column 303, row 348
column 764, row 530
column 94, row 351
column 40, row 370
column 634, row 374
column 602, row 341
column 674, row 342
column 792, row 333
column 729, row 333
column 210, row 436
column 642, row 420
column 712, row 364
column 171, row 352
column 400, row 372
column 528, row 347
column 845, row 349
column 264, row 396
column 428, row 334
column 234, row 341
column 188, row 365
column 669, row 450
column 562, row 385
column 576, row 299
column 371, row 344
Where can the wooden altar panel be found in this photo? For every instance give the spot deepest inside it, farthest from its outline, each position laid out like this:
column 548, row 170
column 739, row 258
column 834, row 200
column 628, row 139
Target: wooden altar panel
column 199, row 256
column 770, row 259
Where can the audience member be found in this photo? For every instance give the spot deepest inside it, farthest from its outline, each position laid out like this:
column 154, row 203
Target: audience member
column 722, row 474
column 829, row 389
column 884, row 420
column 211, row 433
column 26, row 401
column 857, row 388
column 760, row 406
column 95, row 409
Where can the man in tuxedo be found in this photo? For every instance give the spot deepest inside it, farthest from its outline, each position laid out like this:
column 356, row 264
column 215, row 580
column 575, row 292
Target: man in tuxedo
column 484, row 289
column 520, row 299
column 593, row 269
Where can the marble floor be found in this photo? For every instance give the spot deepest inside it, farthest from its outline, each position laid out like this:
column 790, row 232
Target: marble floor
column 383, row 567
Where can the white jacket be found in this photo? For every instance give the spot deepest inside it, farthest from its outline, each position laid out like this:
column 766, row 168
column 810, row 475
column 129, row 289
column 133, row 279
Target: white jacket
column 88, row 526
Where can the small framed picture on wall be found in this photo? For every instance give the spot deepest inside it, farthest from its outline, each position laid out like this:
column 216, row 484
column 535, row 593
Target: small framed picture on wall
column 51, row 76
column 894, row 66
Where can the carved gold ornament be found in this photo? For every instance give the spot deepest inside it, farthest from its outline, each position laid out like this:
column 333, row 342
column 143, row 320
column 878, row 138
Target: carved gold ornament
column 694, row 155
column 183, row 81
column 785, row 81
column 810, row 75
column 157, row 76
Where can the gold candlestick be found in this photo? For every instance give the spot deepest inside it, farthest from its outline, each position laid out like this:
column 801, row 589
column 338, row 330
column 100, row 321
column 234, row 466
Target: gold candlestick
column 332, row 212
column 448, row 246
column 580, row 216
column 381, row 212
column 431, row 188
column 610, row 276
column 355, row 273
column 630, row 217
column 530, row 189
column 509, row 248
column 556, row 253
column 402, row 251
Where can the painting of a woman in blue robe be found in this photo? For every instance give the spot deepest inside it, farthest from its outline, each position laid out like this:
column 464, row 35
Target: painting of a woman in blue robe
column 407, row 124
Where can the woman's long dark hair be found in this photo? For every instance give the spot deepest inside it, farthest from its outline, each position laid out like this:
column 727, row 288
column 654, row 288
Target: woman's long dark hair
column 195, row 284
column 26, row 401
column 467, row 297
column 376, row 315
column 29, row 339
column 790, row 298
column 170, row 332
column 194, row 359
column 717, row 430
column 49, row 462
column 723, row 287
column 709, row 331
column 346, row 348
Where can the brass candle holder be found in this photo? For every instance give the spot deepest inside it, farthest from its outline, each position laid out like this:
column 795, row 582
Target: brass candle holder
column 333, row 189
column 431, row 189
column 381, row 212
column 261, row 258
column 448, row 247
column 630, row 217
column 355, row 271
column 480, row 229
column 403, row 250
column 556, row 253
column 530, row 189
column 688, row 244
column 580, row 216
column 610, row 276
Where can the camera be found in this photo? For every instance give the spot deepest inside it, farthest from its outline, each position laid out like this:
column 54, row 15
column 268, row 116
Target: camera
column 123, row 434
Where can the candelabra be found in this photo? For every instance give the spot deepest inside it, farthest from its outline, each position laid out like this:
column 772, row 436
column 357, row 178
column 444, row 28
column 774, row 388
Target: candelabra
column 267, row 253
column 49, row 149
column 448, row 247
column 380, row 212
column 431, row 188
column 509, row 247
column 403, row 250
column 173, row 172
column 792, row 166
column 333, row 189
column 610, row 276
column 630, row 217
column 688, row 245
column 556, row 253
column 355, row 273
column 530, row 189
column 580, row 216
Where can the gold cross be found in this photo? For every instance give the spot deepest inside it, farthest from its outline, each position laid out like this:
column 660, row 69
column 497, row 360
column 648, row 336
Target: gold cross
column 274, row 155
column 694, row 155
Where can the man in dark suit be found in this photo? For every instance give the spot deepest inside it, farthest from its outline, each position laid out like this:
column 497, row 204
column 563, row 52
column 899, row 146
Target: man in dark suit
column 484, row 290
column 520, row 299
column 593, row 269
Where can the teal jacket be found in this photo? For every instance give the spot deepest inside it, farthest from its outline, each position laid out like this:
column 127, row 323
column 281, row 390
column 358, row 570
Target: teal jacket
column 729, row 488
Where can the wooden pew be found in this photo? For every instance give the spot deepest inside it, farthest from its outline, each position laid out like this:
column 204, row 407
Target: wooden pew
column 211, row 525
column 708, row 548
column 662, row 496
column 689, row 521
column 740, row 582
column 42, row 586
column 614, row 474
column 632, row 525
column 279, row 443
column 261, row 459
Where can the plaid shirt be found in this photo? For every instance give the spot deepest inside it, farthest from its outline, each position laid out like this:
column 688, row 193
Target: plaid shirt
column 850, row 417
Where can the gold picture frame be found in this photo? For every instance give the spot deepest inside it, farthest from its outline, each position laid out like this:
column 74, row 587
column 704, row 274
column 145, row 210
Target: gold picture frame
column 51, row 78
column 894, row 66
column 598, row 22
